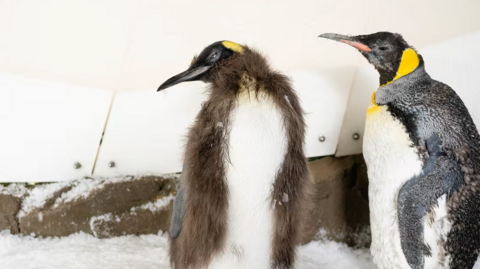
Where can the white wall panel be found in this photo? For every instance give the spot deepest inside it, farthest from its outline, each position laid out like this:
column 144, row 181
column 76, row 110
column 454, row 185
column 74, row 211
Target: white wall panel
column 365, row 82
column 125, row 44
column 82, row 42
column 324, row 96
column 146, row 131
column 457, row 63
column 45, row 127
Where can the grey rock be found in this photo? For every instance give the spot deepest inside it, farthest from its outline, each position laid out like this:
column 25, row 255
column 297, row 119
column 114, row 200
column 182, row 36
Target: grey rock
column 113, row 198
column 341, row 201
column 140, row 221
column 9, row 207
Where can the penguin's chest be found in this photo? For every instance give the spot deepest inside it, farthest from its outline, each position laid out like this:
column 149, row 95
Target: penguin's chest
column 256, row 149
column 391, row 160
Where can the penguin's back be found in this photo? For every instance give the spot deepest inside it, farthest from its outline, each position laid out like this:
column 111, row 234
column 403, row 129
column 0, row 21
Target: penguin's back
column 257, row 145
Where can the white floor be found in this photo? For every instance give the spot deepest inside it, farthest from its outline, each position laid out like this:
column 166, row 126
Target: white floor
column 143, row 252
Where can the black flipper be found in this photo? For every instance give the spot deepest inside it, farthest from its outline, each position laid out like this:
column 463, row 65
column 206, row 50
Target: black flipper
column 178, row 209
column 440, row 175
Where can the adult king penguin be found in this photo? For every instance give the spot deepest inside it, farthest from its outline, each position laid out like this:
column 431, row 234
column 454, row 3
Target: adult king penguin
column 422, row 151
column 245, row 181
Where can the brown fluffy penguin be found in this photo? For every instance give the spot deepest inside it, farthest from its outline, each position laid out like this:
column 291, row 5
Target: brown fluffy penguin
column 243, row 191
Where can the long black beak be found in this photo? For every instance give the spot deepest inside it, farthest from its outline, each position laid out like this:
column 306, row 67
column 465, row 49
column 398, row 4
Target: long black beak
column 350, row 40
column 192, row 73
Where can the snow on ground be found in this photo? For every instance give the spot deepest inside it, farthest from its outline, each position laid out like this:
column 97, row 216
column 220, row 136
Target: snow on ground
column 333, row 255
column 83, row 251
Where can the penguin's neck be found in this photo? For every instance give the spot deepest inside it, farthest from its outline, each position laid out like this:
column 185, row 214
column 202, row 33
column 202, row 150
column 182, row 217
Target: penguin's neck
column 249, row 65
column 411, row 66
column 409, row 61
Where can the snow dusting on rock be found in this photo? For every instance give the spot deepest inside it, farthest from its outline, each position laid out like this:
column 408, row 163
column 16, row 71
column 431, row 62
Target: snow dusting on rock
column 14, row 189
column 81, row 188
column 98, row 220
column 38, row 195
column 155, row 206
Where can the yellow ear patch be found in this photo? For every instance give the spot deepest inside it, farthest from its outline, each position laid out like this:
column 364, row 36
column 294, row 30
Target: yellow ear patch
column 409, row 62
column 233, row 46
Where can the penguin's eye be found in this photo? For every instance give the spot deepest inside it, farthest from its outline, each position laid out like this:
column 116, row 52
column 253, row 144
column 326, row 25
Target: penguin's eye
column 213, row 56
column 383, row 48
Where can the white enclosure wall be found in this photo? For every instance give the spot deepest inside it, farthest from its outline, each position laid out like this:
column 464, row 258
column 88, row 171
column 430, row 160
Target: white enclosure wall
column 146, row 130
column 324, row 96
column 50, row 126
column 457, row 63
column 47, row 127
column 364, row 84
column 119, row 51
column 134, row 45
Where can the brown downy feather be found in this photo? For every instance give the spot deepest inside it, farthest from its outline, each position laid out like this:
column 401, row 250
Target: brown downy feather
column 205, row 223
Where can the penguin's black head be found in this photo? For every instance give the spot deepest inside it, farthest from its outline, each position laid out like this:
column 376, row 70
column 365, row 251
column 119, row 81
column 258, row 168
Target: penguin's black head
column 203, row 64
column 388, row 52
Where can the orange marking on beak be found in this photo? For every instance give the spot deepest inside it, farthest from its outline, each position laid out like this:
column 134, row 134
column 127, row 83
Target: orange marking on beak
column 357, row 45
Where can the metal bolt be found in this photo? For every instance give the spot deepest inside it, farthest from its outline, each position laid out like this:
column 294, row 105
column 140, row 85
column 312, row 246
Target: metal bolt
column 356, row 136
column 321, row 138
column 77, row 165
column 111, row 164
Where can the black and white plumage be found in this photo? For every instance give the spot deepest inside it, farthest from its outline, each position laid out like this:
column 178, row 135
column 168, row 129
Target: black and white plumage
column 422, row 150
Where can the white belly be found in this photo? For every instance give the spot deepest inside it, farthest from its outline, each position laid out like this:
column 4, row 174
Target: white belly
column 391, row 161
column 436, row 228
column 257, row 145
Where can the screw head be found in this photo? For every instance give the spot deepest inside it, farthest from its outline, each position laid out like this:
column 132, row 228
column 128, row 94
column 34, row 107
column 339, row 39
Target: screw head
column 77, row 165
column 111, row 164
column 356, row 136
column 321, row 138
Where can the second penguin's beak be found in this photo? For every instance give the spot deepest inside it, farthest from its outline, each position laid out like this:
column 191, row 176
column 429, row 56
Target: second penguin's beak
column 350, row 40
column 191, row 74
